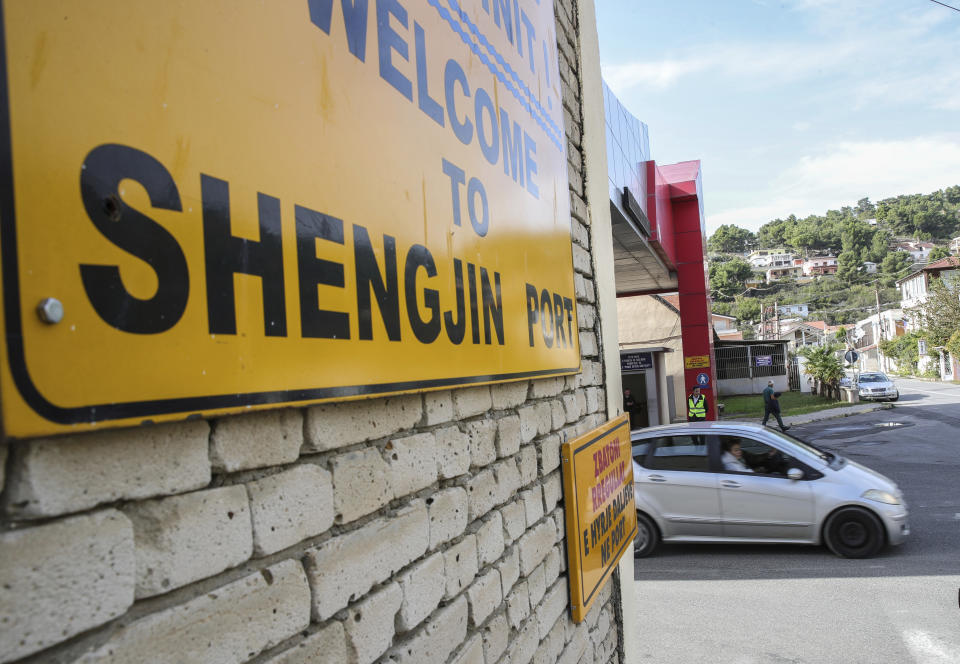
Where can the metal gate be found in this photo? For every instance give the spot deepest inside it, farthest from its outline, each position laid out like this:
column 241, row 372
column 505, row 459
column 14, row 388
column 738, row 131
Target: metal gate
column 794, row 374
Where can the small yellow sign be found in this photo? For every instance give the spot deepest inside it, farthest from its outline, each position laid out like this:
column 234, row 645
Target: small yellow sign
column 696, row 361
column 208, row 207
column 600, row 510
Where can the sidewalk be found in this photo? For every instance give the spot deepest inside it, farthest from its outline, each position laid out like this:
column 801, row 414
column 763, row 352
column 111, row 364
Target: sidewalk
column 830, row 413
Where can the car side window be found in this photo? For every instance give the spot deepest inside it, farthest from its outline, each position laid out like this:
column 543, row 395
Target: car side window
column 759, row 457
column 683, row 452
column 640, row 449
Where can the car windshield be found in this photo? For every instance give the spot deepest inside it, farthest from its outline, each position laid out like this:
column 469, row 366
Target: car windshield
column 872, row 378
column 804, row 445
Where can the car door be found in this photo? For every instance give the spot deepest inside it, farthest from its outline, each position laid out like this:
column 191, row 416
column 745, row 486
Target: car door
column 676, row 480
column 765, row 504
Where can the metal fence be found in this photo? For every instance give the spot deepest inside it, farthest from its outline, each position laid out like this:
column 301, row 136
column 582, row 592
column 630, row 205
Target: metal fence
column 754, row 360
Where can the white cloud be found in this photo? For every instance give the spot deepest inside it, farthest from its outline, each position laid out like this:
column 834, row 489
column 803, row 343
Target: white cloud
column 845, row 173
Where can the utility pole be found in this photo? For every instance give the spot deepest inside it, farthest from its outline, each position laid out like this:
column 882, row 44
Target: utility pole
column 763, row 323
column 881, row 361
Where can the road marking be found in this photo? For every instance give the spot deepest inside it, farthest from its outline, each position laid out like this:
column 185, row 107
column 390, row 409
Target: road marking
column 928, row 649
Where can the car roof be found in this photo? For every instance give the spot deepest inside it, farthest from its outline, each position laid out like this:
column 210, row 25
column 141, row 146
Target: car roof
column 727, row 427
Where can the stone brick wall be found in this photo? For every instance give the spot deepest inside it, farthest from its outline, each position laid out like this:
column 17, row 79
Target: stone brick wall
column 411, row 530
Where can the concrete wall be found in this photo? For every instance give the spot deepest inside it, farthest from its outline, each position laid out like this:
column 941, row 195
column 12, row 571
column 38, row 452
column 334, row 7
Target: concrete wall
column 731, row 386
column 416, row 529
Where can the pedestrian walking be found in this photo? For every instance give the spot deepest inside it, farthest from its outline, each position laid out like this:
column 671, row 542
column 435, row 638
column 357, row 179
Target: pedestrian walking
column 697, row 406
column 771, row 406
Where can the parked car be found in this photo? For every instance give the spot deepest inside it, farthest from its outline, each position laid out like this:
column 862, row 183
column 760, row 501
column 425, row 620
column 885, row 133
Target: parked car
column 790, row 491
column 876, row 385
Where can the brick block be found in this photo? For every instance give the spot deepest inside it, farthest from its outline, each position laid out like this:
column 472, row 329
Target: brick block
column 571, row 408
column 586, row 316
column 290, row 507
column 527, row 465
column 557, row 414
column 453, row 452
column 63, row 578
column 508, row 436
column 509, row 568
column 581, row 260
column 525, row 643
column 552, row 564
column 348, row 566
column 552, row 607
column 413, row 463
column 546, row 387
column 484, row 596
column 482, row 493
column 423, row 587
column 448, row 515
column 471, row 652
column 437, row 407
column 256, row 440
column 470, row 401
column 53, row 476
column 537, row 585
column 328, row 645
column 544, row 411
column 333, row 425
column 496, row 637
column 490, row 539
column 593, row 399
column 483, row 450
column 583, row 288
column 552, row 491
column 549, row 453
column 460, row 565
column 182, row 539
column 370, row 624
column 551, row 646
column 361, row 484
column 509, row 395
column 514, row 520
column 433, row 643
column 231, row 624
column 528, row 422
column 575, row 648
column 533, row 504
column 508, row 480
column 518, row 605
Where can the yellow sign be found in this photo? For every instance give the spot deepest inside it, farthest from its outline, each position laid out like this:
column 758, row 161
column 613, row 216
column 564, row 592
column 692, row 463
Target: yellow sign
column 600, row 511
column 696, row 361
column 231, row 204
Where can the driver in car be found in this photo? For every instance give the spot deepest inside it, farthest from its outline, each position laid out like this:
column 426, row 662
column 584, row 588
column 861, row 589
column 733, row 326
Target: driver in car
column 735, row 459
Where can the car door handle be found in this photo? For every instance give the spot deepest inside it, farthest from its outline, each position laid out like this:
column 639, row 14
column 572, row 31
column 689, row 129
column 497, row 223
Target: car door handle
column 731, row 484
column 656, row 478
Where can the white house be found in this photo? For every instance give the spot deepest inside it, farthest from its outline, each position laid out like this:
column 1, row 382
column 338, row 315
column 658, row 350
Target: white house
column 770, row 258
column 955, row 246
column 920, row 251
column 820, row 265
column 802, row 310
column 868, row 333
column 869, row 267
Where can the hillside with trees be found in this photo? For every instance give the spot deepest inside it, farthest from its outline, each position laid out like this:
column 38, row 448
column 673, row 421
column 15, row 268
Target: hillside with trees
column 865, row 232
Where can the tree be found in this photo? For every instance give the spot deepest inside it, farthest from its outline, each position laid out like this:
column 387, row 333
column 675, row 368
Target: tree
column 842, row 335
column 746, row 308
column 730, row 239
column 848, row 266
column 822, row 363
column 939, row 315
column 937, row 253
column 727, row 279
column 896, row 262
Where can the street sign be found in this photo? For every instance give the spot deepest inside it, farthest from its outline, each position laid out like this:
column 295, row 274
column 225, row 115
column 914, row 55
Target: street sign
column 764, row 360
column 601, row 516
column 696, row 362
column 703, row 380
column 215, row 206
column 851, row 356
column 636, row 361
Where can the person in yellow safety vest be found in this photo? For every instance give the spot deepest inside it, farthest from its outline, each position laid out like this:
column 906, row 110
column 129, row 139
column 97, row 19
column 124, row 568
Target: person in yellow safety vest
column 697, row 406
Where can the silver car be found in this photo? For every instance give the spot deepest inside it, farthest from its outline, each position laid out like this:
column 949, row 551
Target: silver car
column 693, row 484
column 876, row 385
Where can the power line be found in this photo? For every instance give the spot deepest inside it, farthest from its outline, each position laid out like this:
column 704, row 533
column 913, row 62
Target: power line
column 945, row 5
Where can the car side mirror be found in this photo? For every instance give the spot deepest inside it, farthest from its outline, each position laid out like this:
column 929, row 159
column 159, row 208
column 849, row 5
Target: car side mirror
column 795, row 474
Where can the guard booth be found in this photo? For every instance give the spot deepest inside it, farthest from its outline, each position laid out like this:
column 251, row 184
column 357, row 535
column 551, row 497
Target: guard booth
column 642, row 373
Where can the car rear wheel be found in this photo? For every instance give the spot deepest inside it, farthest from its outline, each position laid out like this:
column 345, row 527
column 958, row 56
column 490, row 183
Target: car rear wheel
column 853, row 532
column 648, row 537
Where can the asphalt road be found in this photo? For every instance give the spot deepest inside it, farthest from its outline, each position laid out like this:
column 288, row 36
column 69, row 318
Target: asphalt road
column 751, row 604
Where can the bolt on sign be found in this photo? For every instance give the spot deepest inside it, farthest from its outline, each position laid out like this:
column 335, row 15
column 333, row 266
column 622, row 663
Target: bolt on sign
column 600, row 511
column 222, row 205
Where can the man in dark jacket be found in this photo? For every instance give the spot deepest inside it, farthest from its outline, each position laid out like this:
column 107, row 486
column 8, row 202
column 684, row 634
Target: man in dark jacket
column 771, row 406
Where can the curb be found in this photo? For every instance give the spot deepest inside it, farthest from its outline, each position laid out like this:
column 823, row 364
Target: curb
column 814, row 417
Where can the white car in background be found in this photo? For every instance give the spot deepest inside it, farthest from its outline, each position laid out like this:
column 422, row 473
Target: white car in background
column 876, row 385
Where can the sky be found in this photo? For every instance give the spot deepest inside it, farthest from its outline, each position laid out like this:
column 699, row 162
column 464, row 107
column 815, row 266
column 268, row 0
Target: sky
column 792, row 106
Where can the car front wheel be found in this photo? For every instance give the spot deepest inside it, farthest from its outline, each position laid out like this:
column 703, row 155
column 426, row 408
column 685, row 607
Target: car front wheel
column 853, row 532
column 647, row 536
